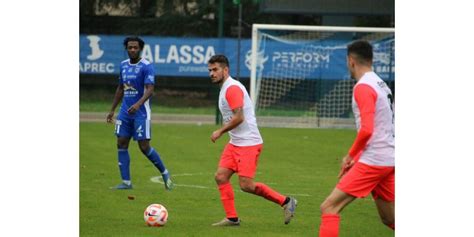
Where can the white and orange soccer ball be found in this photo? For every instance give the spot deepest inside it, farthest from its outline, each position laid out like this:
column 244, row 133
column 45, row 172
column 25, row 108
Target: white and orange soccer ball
column 156, row 215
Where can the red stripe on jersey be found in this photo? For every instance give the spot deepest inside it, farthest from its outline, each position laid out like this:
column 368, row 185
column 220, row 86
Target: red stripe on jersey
column 365, row 98
column 235, row 97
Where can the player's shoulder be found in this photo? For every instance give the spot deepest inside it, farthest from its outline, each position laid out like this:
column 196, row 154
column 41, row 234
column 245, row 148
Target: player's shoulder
column 371, row 76
column 233, row 88
column 126, row 61
column 368, row 78
column 233, row 82
column 145, row 62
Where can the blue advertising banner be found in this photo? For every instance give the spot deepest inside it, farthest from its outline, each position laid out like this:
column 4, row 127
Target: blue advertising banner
column 318, row 59
column 187, row 57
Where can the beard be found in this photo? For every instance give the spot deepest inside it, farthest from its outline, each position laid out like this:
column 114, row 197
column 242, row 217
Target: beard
column 216, row 80
column 134, row 56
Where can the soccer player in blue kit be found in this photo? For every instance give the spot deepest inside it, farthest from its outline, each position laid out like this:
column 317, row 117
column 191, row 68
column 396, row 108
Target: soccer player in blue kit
column 136, row 85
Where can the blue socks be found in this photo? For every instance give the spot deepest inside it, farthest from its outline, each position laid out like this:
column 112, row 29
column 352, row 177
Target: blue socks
column 124, row 164
column 154, row 157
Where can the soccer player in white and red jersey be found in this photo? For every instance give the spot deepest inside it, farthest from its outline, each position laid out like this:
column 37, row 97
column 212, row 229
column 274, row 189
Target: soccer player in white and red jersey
column 241, row 154
column 369, row 166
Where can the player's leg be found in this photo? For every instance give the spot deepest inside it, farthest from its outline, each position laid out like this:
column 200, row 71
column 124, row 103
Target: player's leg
column 330, row 209
column 335, row 202
column 359, row 181
column 386, row 212
column 247, row 160
column 155, row 158
column 225, row 170
column 143, row 135
column 384, row 196
column 248, row 185
column 123, row 131
column 226, row 191
column 223, row 175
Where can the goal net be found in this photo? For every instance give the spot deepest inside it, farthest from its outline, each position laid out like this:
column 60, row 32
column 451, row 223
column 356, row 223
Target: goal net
column 299, row 76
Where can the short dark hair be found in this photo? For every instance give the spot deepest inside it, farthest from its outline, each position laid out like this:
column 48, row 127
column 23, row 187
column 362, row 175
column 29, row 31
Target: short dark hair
column 141, row 43
column 219, row 58
column 362, row 50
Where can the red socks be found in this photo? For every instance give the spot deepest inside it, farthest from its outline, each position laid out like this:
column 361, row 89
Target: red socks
column 227, row 198
column 269, row 194
column 329, row 225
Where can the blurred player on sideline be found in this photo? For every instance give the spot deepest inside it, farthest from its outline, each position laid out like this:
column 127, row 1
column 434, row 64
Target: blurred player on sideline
column 241, row 154
column 369, row 167
column 136, row 85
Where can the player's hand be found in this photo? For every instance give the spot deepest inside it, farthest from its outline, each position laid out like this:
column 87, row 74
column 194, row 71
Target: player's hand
column 215, row 135
column 346, row 165
column 110, row 117
column 134, row 108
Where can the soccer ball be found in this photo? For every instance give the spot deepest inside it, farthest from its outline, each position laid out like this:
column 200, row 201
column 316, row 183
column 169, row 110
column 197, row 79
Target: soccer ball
column 155, row 215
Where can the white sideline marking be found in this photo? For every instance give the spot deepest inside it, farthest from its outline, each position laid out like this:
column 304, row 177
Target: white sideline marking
column 159, row 179
column 299, row 194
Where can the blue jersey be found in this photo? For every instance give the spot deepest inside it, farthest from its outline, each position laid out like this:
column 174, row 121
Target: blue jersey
column 134, row 77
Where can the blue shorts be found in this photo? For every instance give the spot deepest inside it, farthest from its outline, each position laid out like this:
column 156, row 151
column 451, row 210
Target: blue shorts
column 136, row 128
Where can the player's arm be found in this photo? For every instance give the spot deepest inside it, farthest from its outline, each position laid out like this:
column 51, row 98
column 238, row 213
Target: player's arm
column 235, row 99
column 149, row 89
column 149, row 80
column 237, row 118
column 365, row 98
column 117, row 98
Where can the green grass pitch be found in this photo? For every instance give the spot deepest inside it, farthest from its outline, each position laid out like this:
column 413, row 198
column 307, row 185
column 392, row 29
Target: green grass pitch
column 300, row 162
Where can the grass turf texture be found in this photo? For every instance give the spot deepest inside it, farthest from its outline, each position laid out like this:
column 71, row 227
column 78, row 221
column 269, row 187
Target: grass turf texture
column 101, row 106
column 104, row 106
column 304, row 162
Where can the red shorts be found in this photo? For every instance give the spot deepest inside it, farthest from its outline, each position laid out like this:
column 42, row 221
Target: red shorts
column 362, row 179
column 241, row 159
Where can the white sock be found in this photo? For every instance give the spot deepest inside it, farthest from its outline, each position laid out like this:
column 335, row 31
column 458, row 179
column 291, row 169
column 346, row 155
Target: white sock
column 127, row 182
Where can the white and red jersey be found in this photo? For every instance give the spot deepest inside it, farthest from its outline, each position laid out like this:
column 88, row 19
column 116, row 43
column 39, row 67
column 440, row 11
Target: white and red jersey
column 233, row 95
column 373, row 111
